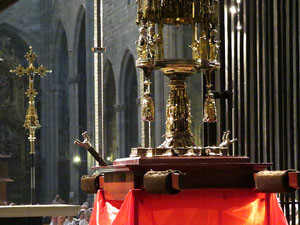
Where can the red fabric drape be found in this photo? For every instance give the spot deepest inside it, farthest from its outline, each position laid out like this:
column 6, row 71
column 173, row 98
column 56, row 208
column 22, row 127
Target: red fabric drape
column 190, row 207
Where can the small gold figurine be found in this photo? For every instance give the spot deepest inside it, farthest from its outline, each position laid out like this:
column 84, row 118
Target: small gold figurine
column 147, row 104
column 210, row 110
column 147, row 108
column 203, row 47
column 213, row 46
column 199, row 48
column 152, row 40
column 141, row 43
column 195, row 49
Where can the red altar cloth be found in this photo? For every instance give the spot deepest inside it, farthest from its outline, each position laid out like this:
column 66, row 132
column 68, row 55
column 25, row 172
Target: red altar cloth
column 190, row 207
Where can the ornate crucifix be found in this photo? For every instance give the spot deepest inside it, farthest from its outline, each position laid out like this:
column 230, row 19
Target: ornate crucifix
column 31, row 119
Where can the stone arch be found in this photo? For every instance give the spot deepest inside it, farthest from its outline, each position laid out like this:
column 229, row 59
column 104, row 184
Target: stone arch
column 13, row 104
column 18, row 43
column 110, row 132
column 60, row 84
column 78, row 41
column 128, row 123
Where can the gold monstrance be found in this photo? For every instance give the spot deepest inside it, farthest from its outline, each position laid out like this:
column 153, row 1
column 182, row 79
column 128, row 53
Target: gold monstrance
column 31, row 119
column 201, row 15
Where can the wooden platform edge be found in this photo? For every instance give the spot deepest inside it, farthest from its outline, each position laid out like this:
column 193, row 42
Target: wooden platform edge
column 38, row 210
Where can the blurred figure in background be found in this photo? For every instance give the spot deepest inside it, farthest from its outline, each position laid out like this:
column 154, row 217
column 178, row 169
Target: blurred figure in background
column 61, row 220
column 70, row 221
column 53, row 220
column 86, row 220
column 85, row 206
column 81, row 216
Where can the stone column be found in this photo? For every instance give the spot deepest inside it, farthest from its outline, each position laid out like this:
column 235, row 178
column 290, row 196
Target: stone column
column 121, row 135
column 159, row 107
column 90, row 78
column 74, row 134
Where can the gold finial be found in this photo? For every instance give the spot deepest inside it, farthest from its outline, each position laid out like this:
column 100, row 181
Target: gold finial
column 30, row 55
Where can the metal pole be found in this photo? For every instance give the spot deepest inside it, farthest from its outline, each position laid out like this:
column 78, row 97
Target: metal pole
column 96, row 77
column 32, row 173
column 149, row 123
column 102, row 79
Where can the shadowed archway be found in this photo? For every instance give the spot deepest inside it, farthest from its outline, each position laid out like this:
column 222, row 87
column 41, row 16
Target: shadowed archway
column 82, row 94
column 61, row 73
column 110, row 141
column 13, row 104
column 128, row 101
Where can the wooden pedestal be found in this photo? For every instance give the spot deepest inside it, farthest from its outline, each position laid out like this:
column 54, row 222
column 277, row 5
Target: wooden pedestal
column 201, row 172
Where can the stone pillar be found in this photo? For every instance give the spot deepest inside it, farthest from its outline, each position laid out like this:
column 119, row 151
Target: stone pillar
column 89, row 20
column 74, row 134
column 159, row 107
column 121, row 135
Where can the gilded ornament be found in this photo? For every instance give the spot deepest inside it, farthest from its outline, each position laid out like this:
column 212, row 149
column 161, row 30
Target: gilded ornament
column 213, row 46
column 152, row 42
column 141, row 43
column 178, row 117
column 202, row 16
column 147, row 107
column 226, row 140
column 210, row 110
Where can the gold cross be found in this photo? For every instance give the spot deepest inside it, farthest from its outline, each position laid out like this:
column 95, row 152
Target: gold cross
column 30, row 70
column 31, row 118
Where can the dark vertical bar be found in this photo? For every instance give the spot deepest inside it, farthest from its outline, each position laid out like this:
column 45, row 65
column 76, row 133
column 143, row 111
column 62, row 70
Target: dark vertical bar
column 267, row 74
column 276, row 72
column 279, row 65
column 289, row 88
column 271, row 83
column 282, row 197
column 253, row 84
column 282, row 91
column 297, row 97
column 245, row 77
column 230, row 72
column 257, row 83
column 235, row 116
column 241, row 136
column 291, row 100
column 249, row 70
column 260, row 118
column 221, row 78
column 269, row 80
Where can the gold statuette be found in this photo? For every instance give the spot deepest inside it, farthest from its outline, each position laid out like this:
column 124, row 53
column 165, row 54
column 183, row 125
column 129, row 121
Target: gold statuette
column 147, row 108
column 147, row 104
column 210, row 110
column 141, row 43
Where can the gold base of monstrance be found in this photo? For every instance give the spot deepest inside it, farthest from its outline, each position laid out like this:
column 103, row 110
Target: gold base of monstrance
column 178, row 137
